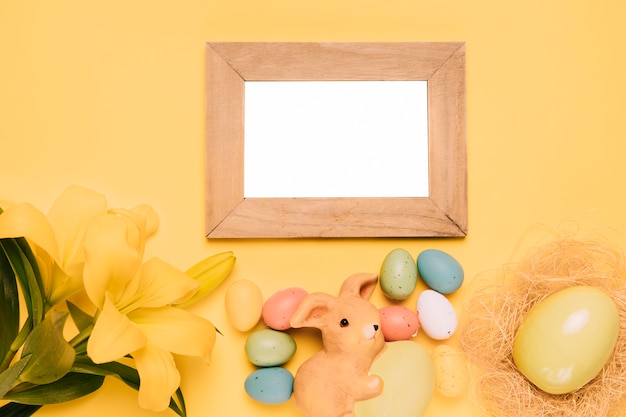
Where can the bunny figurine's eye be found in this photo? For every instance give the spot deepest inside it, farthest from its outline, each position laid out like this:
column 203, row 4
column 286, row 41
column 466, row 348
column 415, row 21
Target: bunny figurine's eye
column 344, row 323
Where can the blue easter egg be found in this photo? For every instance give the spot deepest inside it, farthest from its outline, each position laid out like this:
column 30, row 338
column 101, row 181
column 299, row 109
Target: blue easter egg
column 272, row 385
column 440, row 271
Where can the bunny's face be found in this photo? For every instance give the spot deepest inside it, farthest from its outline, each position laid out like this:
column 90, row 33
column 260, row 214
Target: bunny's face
column 352, row 325
column 349, row 323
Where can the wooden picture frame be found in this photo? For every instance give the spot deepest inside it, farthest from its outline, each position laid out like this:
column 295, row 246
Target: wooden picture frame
column 230, row 64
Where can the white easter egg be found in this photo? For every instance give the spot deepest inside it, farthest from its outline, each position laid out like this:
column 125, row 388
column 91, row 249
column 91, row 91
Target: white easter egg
column 437, row 316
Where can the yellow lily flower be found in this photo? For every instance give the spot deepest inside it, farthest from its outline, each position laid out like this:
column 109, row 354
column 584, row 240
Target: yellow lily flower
column 56, row 239
column 135, row 300
column 167, row 329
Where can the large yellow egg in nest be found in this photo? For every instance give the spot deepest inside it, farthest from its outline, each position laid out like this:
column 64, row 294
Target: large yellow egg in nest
column 547, row 335
column 566, row 340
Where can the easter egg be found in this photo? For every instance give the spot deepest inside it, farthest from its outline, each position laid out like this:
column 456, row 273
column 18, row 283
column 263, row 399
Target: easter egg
column 398, row 323
column 440, row 271
column 566, row 339
column 398, row 275
column 451, row 372
column 267, row 347
column 407, row 371
column 436, row 314
column 280, row 306
column 243, row 302
column 269, row 385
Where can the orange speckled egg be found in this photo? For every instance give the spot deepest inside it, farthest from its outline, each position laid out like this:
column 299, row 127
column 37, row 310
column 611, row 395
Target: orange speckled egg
column 280, row 306
column 398, row 323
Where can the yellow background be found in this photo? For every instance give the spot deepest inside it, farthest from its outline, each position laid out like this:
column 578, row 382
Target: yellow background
column 109, row 95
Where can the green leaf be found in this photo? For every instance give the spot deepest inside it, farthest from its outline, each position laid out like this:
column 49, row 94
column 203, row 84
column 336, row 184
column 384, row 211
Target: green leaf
column 127, row 374
column 9, row 378
column 84, row 322
column 27, row 273
column 18, row 410
column 27, row 252
column 9, row 306
column 81, row 319
column 52, row 356
column 178, row 404
column 70, row 387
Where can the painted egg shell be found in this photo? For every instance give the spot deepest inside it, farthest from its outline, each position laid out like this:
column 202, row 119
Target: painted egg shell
column 440, row 271
column 566, row 339
column 279, row 307
column 407, row 371
column 436, row 314
column 267, row 347
column 243, row 302
column 398, row 275
column 269, row 385
column 451, row 372
column 398, row 323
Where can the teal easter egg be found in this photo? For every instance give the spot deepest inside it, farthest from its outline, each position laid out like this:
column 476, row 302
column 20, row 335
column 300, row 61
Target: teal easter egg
column 440, row 271
column 398, row 275
column 267, row 347
column 408, row 374
column 269, row 385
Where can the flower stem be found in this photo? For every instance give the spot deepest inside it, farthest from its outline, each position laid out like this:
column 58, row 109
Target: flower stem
column 16, row 345
column 82, row 336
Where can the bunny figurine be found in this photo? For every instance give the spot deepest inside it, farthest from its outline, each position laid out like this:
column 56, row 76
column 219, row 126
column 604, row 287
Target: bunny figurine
column 329, row 383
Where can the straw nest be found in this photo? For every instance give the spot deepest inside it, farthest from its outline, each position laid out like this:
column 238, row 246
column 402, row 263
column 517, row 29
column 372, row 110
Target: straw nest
column 496, row 309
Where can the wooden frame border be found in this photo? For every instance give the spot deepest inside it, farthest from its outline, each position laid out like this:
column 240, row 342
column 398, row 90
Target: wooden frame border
column 230, row 215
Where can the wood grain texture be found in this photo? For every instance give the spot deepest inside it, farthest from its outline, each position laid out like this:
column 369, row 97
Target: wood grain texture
column 336, row 217
column 298, row 61
column 447, row 139
column 225, row 134
column 230, row 215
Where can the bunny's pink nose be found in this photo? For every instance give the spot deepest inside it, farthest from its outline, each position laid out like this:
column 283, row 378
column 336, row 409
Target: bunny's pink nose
column 369, row 331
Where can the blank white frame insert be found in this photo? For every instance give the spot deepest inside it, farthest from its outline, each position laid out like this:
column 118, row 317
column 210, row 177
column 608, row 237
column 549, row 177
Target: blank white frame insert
column 335, row 139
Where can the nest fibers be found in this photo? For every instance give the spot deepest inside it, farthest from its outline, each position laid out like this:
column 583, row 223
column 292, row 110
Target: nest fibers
column 495, row 311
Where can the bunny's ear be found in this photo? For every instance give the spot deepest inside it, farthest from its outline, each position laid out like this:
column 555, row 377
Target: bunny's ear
column 362, row 285
column 311, row 311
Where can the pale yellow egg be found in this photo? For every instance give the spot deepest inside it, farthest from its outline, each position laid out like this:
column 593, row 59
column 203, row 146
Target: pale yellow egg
column 243, row 302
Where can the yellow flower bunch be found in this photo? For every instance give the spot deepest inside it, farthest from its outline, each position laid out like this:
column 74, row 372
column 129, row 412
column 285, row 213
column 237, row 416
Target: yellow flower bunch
column 136, row 321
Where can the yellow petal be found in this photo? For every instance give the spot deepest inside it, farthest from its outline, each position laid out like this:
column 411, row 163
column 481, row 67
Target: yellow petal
column 158, row 377
column 24, row 220
column 161, row 284
column 113, row 336
column 111, row 262
column 152, row 218
column 46, row 266
column 143, row 218
column 69, row 216
column 176, row 330
column 61, row 285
